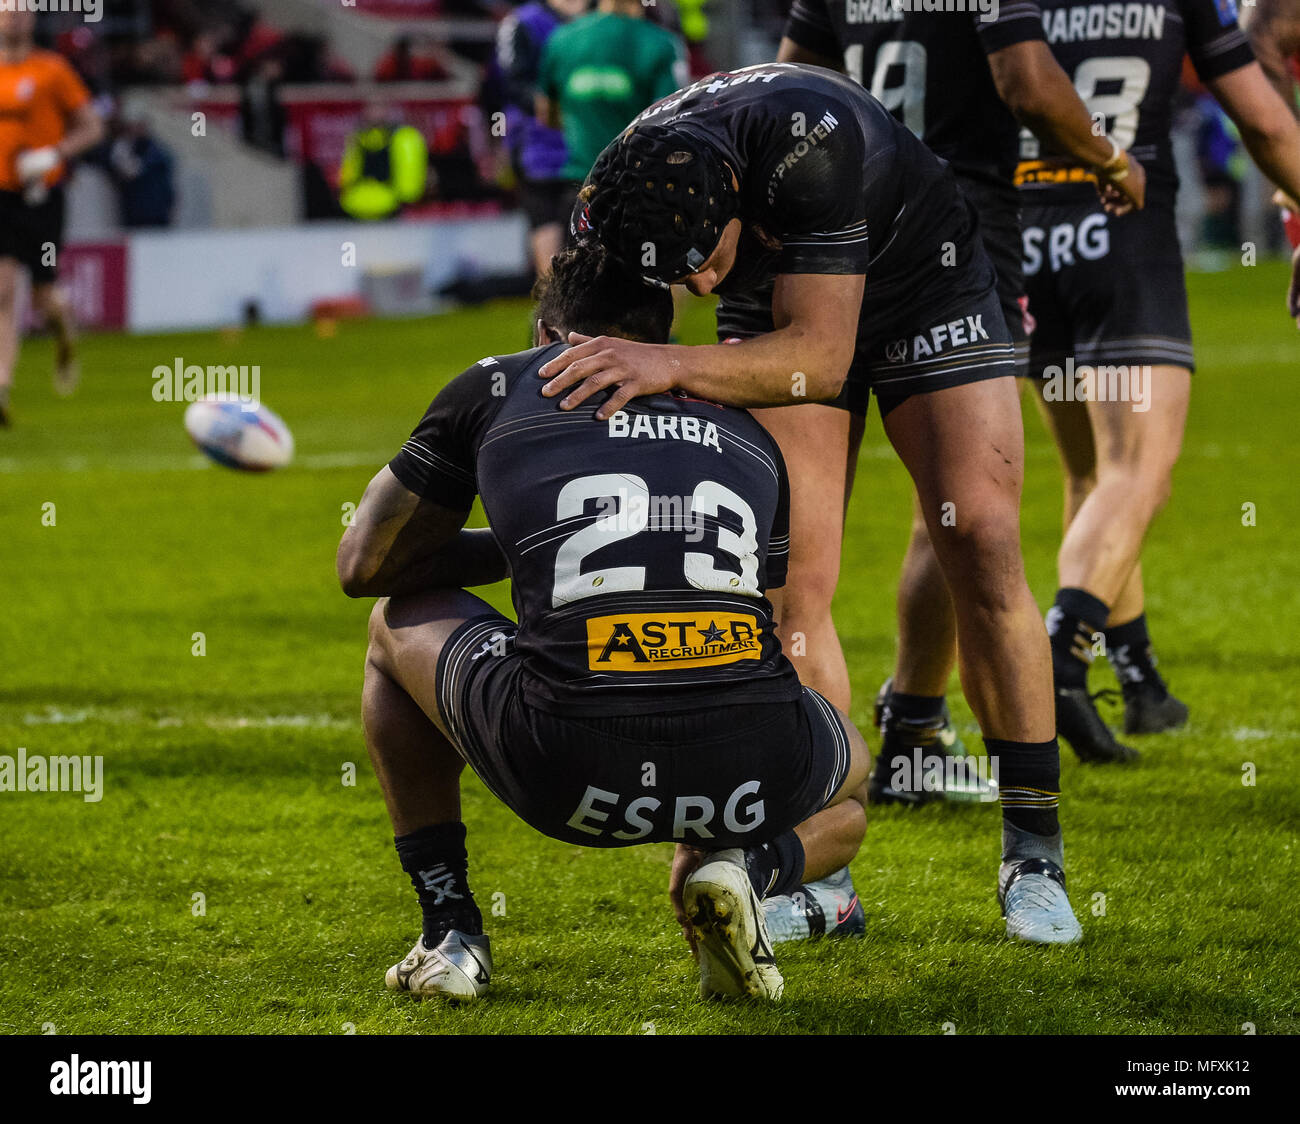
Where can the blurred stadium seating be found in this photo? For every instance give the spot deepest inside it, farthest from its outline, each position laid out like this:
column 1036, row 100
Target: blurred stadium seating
column 246, row 106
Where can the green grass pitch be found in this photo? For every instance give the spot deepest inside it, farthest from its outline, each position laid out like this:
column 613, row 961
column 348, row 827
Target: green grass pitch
column 224, row 771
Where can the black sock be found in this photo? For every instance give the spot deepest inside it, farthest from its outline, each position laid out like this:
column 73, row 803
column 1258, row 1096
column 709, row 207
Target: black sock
column 915, row 708
column 1128, row 647
column 1072, row 621
column 436, row 860
column 776, row 867
column 1029, row 783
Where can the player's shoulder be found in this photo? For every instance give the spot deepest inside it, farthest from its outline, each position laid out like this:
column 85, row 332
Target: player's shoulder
column 478, row 393
column 804, row 83
column 510, row 366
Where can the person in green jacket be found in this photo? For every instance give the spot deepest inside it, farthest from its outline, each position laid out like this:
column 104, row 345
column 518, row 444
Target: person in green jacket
column 385, row 167
column 600, row 71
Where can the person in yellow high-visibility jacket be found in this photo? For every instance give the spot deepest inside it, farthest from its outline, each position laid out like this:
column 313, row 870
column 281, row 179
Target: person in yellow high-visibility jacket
column 385, row 167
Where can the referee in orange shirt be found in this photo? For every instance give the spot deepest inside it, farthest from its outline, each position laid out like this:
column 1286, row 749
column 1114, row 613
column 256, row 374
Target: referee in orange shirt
column 46, row 119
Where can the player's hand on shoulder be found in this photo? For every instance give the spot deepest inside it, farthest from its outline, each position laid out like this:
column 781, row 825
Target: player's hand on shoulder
column 597, row 363
column 1126, row 193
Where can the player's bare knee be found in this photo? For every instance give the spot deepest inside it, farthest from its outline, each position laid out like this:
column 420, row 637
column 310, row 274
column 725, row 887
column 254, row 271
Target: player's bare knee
column 379, row 633
column 859, row 797
column 1161, row 489
column 1148, row 482
column 1079, row 487
column 981, row 555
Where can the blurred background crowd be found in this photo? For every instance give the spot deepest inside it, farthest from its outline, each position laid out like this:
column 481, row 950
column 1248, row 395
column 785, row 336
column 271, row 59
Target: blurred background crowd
column 228, row 115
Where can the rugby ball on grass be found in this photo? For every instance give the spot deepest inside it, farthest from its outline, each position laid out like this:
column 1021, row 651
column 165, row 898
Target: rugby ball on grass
column 239, row 434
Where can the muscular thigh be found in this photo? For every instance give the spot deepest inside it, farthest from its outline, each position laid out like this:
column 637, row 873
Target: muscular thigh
column 964, row 445
column 407, row 636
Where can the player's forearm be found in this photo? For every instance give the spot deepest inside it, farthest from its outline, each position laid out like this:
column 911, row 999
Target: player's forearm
column 1057, row 117
column 1266, row 125
column 472, row 558
column 786, row 367
column 1041, row 96
column 1274, row 145
column 1273, row 62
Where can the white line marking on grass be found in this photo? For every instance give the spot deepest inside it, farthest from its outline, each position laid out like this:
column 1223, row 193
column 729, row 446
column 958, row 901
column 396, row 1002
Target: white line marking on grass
column 343, row 460
column 313, row 462
column 1252, row 734
column 52, row 716
column 275, row 721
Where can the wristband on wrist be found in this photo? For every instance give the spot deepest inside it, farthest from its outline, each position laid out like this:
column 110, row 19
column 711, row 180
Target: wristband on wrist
column 1116, row 168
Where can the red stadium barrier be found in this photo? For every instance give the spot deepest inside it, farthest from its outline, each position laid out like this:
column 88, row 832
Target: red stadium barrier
column 318, row 127
column 94, row 275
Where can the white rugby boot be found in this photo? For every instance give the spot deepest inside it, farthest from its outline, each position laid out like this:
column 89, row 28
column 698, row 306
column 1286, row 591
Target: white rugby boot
column 460, row 967
column 735, row 953
column 1031, row 889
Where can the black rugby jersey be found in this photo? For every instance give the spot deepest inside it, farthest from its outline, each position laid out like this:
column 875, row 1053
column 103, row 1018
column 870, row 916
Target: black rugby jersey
column 825, row 172
column 930, row 69
column 1125, row 59
column 640, row 548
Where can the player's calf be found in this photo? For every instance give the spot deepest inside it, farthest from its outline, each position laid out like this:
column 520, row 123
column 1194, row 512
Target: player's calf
column 418, row 770
column 55, row 306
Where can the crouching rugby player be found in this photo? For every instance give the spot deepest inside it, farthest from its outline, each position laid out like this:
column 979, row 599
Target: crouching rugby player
column 643, row 696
